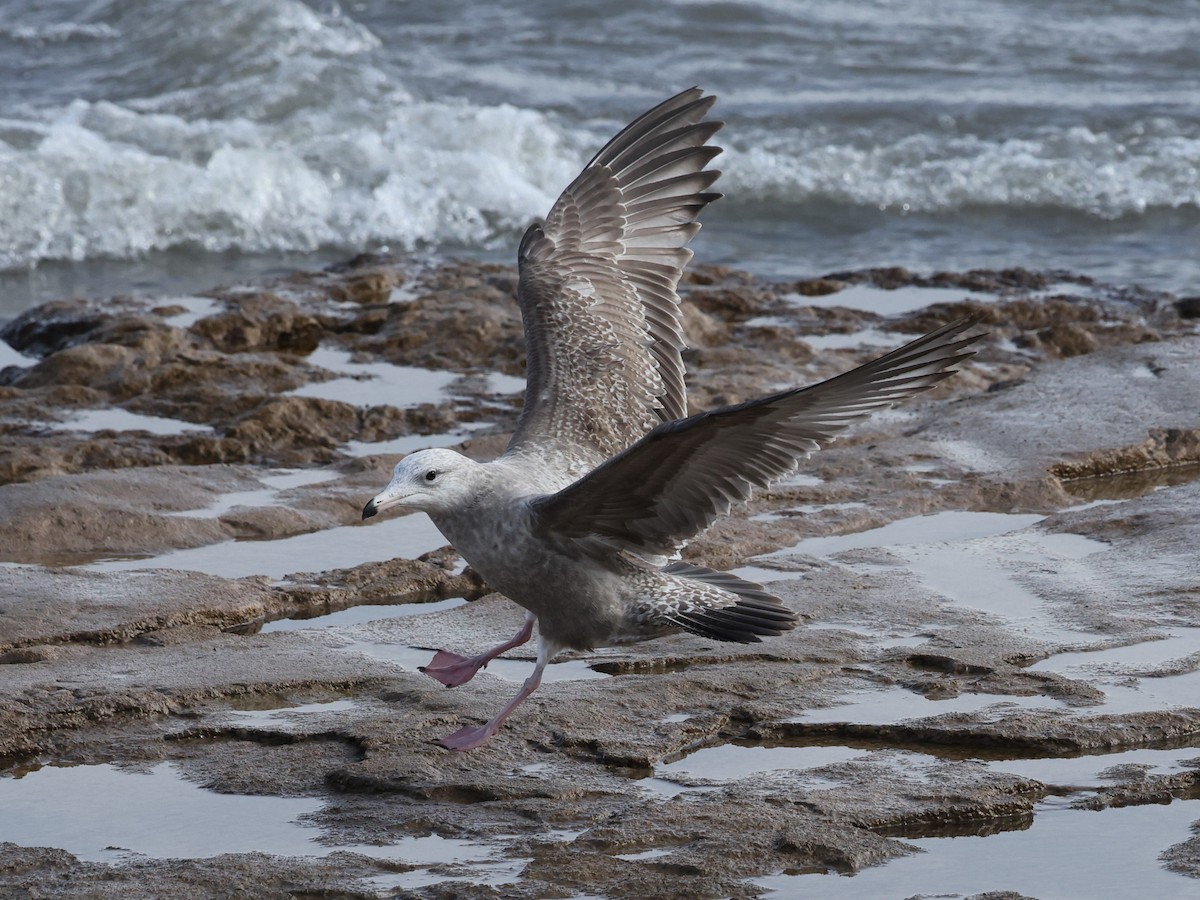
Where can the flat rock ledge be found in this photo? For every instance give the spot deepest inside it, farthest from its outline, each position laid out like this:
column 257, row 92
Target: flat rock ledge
column 911, row 705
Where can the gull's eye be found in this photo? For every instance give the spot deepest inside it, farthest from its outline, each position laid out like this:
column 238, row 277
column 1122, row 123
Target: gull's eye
column 431, row 475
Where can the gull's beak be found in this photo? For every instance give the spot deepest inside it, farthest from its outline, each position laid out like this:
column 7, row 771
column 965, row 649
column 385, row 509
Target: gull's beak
column 390, row 496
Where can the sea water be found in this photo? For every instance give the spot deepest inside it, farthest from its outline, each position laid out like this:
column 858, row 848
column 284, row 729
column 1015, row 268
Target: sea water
column 168, row 146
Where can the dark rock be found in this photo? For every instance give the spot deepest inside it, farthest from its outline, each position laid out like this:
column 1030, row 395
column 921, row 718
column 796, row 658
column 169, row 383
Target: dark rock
column 1188, row 307
column 53, row 326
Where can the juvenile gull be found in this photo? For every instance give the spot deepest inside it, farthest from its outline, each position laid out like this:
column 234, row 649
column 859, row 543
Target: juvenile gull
column 606, row 477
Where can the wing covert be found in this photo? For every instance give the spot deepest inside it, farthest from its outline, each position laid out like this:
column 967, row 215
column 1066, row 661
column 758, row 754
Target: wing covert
column 597, row 289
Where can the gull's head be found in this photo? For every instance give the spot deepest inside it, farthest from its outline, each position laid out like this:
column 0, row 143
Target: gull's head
column 428, row 480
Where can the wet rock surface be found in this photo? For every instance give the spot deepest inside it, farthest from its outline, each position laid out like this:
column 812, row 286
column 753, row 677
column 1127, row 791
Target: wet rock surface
column 996, row 580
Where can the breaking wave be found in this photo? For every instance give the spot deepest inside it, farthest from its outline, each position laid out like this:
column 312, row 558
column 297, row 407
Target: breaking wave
column 263, row 125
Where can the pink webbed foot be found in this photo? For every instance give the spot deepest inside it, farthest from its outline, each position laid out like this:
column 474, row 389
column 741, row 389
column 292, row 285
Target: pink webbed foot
column 472, row 736
column 451, row 669
column 467, row 738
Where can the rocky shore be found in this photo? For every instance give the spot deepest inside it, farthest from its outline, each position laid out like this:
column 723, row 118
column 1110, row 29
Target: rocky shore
column 996, row 579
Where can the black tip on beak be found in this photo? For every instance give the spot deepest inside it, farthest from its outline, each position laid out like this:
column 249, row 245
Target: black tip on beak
column 369, row 510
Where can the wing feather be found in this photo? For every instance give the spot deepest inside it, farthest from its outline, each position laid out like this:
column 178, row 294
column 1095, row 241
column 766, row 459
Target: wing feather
column 598, row 284
column 677, row 480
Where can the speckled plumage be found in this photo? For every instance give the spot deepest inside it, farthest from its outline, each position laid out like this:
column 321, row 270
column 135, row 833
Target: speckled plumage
column 605, row 477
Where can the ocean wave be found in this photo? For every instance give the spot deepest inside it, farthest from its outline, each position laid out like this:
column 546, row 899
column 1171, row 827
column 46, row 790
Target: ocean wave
column 103, row 180
column 266, row 126
column 259, row 126
column 1098, row 174
column 58, row 33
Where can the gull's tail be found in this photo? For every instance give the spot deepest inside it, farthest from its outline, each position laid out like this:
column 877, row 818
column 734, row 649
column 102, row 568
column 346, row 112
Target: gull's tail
column 739, row 611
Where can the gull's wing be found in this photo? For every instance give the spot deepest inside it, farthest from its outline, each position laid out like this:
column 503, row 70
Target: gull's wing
column 597, row 289
column 675, row 482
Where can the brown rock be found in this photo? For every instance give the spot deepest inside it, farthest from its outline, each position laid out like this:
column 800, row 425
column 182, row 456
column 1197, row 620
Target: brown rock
column 818, row 287
column 32, row 654
column 295, row 422
column 727, row 303
column 1164, row 448
column 1066, row 340
column 91, row 365
column 262, row 322
column 372, row 287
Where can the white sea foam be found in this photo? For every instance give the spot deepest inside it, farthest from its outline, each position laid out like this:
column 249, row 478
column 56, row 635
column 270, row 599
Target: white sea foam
column 58, row 32
column 102, row 180
column 1097, row 173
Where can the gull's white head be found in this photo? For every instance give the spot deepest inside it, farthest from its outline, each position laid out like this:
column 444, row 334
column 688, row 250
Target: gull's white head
column 431, row 481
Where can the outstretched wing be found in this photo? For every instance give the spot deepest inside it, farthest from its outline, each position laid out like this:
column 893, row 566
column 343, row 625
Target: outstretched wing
column 597, row 289
column 673, row 483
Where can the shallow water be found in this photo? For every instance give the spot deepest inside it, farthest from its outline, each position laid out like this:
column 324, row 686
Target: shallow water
column 114, row 418
column 11, row 357
column 1055, row 846
column 104, row 813
column 728, row 762
column 977, row 560
column 1082, row 772
column 411, row 442
column 807, row 509
column 982, row 573
column 1114, row 488
column 281, row 715
column 375, row 384
column 359, row 615
column 887, row 302
column 1159, row 649
column 276, row 484
column 1065, row 854
column 335, row 548
column 897, row 704
column 1150, row 675
column 195, row 309
column 972, row 558
column 869, row 337
column 937, row 528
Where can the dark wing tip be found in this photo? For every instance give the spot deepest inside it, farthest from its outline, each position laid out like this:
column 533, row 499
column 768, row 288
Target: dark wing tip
column 755, row 614
column 744, row 622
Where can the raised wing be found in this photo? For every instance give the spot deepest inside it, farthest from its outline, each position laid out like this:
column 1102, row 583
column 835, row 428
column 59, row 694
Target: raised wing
column 673, row 483
column 597, row 290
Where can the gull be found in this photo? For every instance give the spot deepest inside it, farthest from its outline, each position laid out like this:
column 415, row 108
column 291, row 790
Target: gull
column 606, row 476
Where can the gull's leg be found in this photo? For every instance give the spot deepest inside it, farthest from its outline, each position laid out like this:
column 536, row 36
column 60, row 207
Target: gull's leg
column 452, row 670
column 472, row 736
